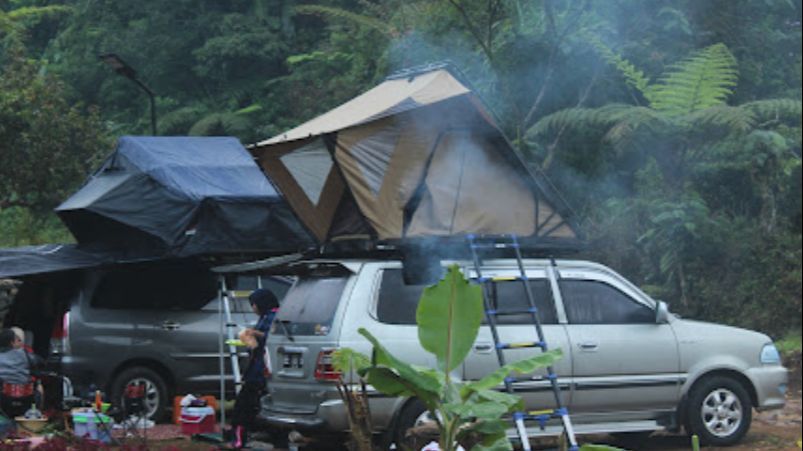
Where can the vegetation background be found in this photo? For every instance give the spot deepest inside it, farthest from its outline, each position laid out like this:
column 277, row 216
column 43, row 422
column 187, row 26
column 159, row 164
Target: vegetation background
column 673, row 127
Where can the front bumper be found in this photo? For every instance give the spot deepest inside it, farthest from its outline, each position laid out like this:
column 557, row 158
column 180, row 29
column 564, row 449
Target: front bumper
column 770, row 383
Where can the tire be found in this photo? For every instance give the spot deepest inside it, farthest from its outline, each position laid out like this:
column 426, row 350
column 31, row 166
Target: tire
column 719, row 411
column 414, row 413
column 156, row 394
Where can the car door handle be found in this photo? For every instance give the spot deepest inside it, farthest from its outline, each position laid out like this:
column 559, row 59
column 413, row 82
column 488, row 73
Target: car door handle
column 483, row 348
column 170, row 325
column 588, row 345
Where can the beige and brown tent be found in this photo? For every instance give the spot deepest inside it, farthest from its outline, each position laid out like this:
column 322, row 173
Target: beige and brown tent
column 416, row 156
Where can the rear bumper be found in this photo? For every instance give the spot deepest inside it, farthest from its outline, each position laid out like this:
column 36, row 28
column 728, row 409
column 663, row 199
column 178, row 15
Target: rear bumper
column 770, row 383
column 330, row 416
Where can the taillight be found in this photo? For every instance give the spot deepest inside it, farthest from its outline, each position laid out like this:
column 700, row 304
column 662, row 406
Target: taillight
column 324, row 370
column 60, row 338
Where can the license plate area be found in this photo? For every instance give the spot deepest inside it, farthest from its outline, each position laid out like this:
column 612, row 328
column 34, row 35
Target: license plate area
column 291, row 361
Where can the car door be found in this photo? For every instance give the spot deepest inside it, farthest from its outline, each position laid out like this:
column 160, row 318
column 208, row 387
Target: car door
column 482, row 360
column 621, row 359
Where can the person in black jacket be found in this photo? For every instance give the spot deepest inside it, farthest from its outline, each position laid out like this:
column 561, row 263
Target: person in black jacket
column 246, row 406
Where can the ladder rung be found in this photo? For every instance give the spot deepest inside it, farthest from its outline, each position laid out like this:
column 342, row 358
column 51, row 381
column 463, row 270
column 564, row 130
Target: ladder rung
column 511, row 312
column 485, row 279
column 515, row 380
column 521, row 345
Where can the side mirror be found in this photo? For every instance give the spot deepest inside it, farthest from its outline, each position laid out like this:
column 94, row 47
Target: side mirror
column 661, row 313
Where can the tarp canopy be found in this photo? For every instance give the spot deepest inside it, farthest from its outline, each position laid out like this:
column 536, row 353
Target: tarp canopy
column 182, row 196
column 50, row 258
column 416, row 156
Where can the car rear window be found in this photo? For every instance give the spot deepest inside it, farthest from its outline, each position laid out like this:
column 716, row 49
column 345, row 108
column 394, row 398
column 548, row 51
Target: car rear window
column 398, row 301
column 309, row 307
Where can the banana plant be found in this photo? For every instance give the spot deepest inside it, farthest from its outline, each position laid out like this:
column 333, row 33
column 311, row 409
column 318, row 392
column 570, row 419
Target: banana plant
column 449, row 315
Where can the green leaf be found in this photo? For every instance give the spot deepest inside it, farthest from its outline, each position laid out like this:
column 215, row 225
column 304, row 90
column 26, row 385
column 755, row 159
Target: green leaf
column 449, row 316
column 419, row 381
column 347, row 360
column 493, row 443
column 521, row 367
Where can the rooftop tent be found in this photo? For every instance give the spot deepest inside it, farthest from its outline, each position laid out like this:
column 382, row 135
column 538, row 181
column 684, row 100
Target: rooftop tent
column 182, row 196
column 418, row 155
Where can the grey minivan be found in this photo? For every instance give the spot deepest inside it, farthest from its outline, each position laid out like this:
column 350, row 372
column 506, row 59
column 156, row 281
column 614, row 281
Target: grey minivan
column 157, row 323
column 629, row 365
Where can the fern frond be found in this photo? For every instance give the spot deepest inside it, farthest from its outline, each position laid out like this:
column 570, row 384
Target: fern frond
column 630, row 120
column 38, row 12
column 342, row 14
column 738, row 119
column 774, row 109
column 704, row 80
column 577, row 118
column 633, row 76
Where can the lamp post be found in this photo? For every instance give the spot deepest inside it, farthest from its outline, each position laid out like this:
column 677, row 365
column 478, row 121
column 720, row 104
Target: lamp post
column 122, row 68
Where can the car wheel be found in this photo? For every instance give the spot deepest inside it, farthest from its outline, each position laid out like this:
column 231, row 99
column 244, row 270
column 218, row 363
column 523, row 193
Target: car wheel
column 413, row 414
column 720, row 411
column 155, row 390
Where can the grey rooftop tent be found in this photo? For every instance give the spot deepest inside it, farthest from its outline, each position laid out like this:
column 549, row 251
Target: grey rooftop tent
column 417, row 156
column 182, row 196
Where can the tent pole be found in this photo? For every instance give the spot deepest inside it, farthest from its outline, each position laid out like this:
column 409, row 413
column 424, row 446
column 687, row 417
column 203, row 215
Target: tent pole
column 222, row 287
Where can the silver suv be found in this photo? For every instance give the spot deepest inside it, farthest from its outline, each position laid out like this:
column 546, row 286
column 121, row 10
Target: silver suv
column 628, row 366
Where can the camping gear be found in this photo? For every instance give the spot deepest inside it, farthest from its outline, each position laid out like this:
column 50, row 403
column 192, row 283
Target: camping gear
column 182, row 196
column 183, row 401
column 93, row 425
column 416, row 157
column 30, row 426
column 493, row 247
column 197, row 420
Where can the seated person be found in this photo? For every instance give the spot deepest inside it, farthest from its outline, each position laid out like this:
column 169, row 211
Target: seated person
column 16, row 365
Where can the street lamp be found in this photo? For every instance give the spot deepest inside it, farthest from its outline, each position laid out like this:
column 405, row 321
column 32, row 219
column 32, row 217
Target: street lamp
column 122, row 68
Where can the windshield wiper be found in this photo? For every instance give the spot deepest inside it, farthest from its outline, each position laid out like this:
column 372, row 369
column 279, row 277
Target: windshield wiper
column 283, row 323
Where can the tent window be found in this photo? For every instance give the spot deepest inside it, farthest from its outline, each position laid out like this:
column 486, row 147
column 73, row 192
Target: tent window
column 373, row 156
column 309, row 165
column 156, row 288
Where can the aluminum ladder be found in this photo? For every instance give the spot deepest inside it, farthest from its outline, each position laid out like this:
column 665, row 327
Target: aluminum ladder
column 500, row 244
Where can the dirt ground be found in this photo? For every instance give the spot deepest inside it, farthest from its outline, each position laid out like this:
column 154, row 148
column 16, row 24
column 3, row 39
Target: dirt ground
column 770, row 431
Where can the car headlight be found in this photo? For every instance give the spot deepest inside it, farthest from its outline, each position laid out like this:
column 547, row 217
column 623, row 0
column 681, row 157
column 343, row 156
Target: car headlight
column 770, row 354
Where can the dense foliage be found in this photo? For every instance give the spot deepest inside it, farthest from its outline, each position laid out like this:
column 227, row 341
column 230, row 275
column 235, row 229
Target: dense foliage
column 672, row 127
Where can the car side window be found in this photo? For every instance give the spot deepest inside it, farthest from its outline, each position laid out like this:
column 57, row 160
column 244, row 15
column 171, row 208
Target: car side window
column 595, row 302
column 397, row 301
column 156, row 287
column 511, row 296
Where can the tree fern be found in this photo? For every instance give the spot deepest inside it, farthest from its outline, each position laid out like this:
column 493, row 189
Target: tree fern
column 633, row 76
column 339, row 13
column 775, row 110
column 702, row 81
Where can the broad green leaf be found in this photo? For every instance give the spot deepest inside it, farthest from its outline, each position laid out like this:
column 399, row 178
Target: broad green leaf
column 420, row 380
column 449, row 316
column 521, row 367
column 390, row 383
column 347, row 360
column 511, row 402
column 494, row 443
column 484, row 410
